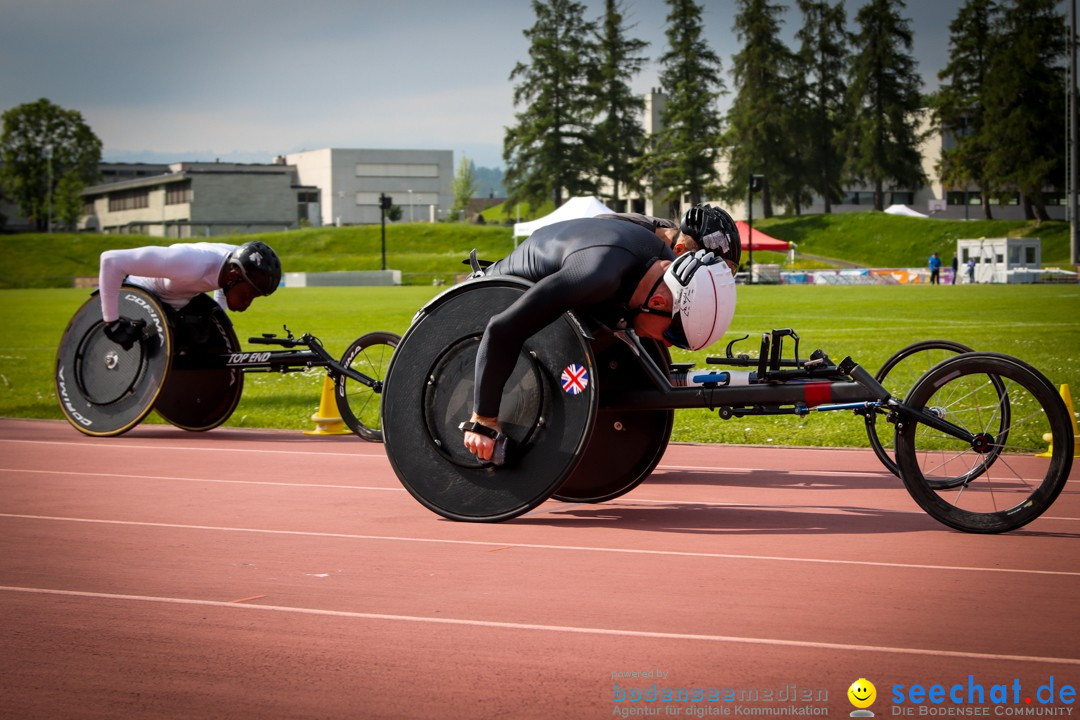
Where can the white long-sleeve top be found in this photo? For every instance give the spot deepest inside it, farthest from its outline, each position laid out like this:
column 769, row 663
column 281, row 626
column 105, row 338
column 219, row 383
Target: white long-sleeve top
column 175, row 274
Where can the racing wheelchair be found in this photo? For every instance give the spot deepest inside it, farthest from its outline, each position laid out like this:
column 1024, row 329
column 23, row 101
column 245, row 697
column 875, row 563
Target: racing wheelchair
column 188, row 366
column 587, row 414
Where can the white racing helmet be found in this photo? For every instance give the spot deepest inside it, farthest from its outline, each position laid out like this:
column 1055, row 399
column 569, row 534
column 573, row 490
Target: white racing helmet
column 703, row 300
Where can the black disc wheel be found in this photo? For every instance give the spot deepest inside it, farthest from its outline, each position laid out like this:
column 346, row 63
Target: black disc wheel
column 1013, row 469
column 103, row 389
column 548, row 407
column 201, row 392
column 625, row 445
column 360, row 404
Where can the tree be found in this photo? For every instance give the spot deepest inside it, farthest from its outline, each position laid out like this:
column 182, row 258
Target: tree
column 823, row 55
column 958, row 105
column 757, row 125
column 619, row 137
column 680, row 161
column 464, row 185
column 884, row 102
column 44, row 148
column 547, row 152
column 1024, row 96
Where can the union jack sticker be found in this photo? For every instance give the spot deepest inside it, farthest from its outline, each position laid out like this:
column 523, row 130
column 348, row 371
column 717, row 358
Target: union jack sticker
column 575, row 379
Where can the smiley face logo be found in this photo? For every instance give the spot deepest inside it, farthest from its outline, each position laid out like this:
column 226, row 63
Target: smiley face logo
column 862, row 693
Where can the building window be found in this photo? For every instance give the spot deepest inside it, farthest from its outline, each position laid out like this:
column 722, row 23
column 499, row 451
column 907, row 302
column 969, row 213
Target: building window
column 902, row 198
column 88, row 207
column 857, row 197
column 178, row 193
column 404, row 170
column 1029, row 255
column 129, row 200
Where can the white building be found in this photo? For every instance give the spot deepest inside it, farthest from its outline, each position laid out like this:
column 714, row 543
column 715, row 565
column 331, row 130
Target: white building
column 1001, row 260
column 350, row 182
column 199, row 200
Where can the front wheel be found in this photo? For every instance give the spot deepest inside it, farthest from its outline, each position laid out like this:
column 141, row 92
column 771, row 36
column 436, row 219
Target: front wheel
column 359, row 405
column 1011, row 477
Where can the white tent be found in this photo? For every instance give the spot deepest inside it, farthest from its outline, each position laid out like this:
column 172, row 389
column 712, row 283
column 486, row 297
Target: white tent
column 903, row 210
column 577, row 207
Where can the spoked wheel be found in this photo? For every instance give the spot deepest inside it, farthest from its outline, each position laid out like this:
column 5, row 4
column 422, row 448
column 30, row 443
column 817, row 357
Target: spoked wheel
column 899, row 374
column 360, row 406
column 976, row 392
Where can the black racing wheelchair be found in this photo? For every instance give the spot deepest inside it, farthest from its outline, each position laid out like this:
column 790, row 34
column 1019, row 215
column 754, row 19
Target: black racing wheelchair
column 982, row 441
column 188, row 367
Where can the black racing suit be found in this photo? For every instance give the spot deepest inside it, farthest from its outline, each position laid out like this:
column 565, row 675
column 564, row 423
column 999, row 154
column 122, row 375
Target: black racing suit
column 588, row 264
column 646, row 221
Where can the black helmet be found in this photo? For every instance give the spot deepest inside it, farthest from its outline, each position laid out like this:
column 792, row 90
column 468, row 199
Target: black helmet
column 259, row 265
column 714, row 230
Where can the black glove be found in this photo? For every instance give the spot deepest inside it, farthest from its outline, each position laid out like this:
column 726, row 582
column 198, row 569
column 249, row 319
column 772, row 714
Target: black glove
column 125, row 332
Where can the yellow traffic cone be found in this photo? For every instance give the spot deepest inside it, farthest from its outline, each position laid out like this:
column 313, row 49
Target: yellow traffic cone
column 327, row 421
column 1066, row 396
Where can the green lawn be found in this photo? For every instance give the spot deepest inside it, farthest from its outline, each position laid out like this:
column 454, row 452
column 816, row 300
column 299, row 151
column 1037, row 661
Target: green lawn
column 1038, row 323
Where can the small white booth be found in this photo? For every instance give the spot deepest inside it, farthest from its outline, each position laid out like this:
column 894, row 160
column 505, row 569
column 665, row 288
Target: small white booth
column 1000, row 260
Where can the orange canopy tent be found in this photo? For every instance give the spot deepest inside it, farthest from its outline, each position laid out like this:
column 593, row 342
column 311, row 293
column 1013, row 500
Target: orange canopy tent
column 759, row 240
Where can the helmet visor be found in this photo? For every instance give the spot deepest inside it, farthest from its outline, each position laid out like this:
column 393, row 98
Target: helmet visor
column 675, row 333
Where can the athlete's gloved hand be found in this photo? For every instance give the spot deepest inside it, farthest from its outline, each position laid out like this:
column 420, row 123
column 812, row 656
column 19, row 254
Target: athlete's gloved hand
column 125, row 332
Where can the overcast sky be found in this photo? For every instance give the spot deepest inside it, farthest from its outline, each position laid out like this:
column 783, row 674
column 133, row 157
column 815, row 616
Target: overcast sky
column 168, row 80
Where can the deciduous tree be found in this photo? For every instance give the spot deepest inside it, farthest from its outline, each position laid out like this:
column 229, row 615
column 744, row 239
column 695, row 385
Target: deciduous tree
column 43, row 148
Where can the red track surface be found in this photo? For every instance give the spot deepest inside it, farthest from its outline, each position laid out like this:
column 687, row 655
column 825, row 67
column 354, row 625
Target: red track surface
column 239, row 574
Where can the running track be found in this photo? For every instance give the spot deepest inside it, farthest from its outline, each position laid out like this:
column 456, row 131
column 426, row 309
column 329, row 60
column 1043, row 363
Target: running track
column 241, row 574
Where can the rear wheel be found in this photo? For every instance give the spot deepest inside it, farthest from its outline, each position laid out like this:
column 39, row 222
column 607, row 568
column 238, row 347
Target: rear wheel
column 1009, row 475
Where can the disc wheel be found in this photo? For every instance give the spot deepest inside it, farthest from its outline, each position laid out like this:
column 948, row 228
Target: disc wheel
column 625, row 445
column 103, row 389
column 1010, row 478
column 201, row 393
column 359, row 405
column 548, row 406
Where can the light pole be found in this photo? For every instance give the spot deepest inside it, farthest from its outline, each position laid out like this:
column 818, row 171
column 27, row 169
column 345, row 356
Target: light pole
column 1074, row 155
column 48, row 188
column 757, row 182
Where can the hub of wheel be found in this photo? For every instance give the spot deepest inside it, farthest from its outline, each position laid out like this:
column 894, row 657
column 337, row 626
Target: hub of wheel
column 982, row 443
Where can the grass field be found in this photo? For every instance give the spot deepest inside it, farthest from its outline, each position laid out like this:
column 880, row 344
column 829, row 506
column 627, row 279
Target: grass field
column 425, row 251
column 1037, row 323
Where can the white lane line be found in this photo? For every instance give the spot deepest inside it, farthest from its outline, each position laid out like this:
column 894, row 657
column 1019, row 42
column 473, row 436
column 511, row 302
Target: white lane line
column 491, row 624
column 110, row 444
column 203, row 480
column 537, row 546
